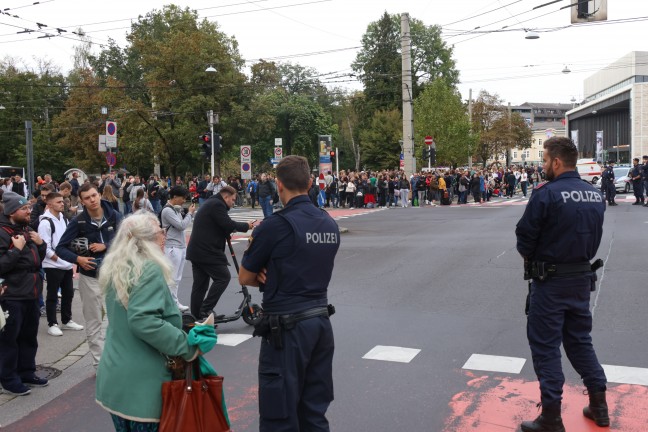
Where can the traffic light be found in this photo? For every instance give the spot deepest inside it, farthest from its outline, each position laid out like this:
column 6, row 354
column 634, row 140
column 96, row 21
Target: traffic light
column 433, row 156
column 426, row 152
column 218, row 143
column 206, row 145
column 332, row 155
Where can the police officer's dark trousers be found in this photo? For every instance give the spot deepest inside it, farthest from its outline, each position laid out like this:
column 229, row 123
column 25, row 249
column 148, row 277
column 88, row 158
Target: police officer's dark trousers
column 610, row 193
column 559, row 313
column 296, row 382
column 18, row 341
column 202, row 306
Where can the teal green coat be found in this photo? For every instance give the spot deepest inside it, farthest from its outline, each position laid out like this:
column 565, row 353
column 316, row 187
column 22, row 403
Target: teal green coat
column 132, row 368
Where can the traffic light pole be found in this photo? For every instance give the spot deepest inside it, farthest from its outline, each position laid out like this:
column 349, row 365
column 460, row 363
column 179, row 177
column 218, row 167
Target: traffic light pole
column 213, row 150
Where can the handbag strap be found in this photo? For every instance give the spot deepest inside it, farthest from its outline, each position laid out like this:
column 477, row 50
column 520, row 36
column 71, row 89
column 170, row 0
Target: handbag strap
column 189, row 375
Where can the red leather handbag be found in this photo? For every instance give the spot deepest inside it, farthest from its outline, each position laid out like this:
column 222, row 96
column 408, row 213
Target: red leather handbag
column 193, row 404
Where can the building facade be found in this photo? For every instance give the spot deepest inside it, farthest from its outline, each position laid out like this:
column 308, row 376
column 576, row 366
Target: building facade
column 611, row 123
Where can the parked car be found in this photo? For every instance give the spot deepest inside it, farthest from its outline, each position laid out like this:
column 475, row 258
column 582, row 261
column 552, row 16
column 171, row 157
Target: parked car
column 622, row 179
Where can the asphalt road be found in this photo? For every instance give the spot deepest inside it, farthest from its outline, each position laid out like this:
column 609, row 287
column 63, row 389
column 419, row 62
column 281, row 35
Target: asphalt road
column 446, row 281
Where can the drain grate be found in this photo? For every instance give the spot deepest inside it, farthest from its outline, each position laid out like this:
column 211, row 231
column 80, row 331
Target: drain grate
column 47, row 372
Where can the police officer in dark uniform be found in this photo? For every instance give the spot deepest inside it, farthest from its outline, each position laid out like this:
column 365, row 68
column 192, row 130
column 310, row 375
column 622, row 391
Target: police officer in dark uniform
column 607, row 183
column 644, row 177
column 557, row 236
column 637, row 182
column 290, row 258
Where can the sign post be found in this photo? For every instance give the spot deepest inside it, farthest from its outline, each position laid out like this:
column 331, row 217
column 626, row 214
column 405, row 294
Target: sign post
column 111, row 134
column 429, row 141
column 246, row 162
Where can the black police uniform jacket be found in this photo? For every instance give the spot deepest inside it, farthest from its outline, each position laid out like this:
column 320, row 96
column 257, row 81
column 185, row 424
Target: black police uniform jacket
column 563, row 221
column 92, row 232
column 211, row 228
column 20, row 268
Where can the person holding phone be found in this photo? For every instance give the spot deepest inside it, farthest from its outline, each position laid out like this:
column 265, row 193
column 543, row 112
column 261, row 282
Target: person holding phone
column 84, row 242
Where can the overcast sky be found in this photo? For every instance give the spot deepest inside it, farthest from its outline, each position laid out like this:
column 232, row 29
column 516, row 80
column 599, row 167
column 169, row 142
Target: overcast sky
column 505, row 63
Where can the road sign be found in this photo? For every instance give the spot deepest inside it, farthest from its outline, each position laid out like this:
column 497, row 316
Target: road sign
column 278, row 142
column 246, row 153
column 274, row 161
column 429, row 140
column 321, row 181
column 111, row 134
column 102, row 144
column 246, row 170
column 111, row 159
column 278, row 152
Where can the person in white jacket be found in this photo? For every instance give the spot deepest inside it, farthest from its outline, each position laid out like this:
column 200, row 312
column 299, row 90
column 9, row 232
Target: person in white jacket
column 59, row 272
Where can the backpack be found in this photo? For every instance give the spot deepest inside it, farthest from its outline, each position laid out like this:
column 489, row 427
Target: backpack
column 52, row 227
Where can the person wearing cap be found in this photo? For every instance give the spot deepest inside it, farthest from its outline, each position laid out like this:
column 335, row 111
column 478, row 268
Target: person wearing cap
column 21, row 253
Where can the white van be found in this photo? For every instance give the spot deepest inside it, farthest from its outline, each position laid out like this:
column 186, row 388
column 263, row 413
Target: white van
column 589, row 170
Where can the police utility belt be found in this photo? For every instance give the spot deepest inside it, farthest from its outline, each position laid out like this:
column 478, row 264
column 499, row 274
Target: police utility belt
column 271, row 326
column 543, row 270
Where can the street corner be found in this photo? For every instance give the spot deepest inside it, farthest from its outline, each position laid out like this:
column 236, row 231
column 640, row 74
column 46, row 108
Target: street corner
column 493, row 403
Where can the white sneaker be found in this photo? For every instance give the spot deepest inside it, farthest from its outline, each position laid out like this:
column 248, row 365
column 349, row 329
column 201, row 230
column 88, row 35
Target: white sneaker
column 71, row 325
column 183, row 308
column 54, row 331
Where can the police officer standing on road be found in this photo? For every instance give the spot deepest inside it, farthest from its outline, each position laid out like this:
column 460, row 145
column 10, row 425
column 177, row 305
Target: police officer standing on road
column 637, row 183
column 644, row 176
column 557, row 236
column 290, row 257
column 607, row 183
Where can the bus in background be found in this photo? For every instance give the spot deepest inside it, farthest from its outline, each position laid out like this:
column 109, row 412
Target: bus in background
column 9, row 171
column 589, row 170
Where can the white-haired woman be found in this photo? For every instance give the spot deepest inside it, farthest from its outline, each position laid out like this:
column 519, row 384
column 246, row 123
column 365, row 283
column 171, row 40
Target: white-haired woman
column 145, row 325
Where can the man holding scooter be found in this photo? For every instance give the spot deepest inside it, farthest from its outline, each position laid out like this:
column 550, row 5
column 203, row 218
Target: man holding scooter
column 206, row 250
column 290, row 258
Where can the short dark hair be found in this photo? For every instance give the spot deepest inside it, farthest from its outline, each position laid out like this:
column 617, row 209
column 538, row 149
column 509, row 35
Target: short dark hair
column 227, row 190
column 562, row 148
column 53, row 195
column 636, row 159
column 86, row 187
column 176, row 191
column 294, row 173
column 48, row 187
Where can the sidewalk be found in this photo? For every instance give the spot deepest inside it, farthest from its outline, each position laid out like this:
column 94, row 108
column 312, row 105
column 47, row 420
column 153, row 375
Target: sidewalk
column 64, row 361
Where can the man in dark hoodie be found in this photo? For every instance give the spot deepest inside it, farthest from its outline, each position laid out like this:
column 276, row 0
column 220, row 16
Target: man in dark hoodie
column 21, row 253
column 85, row 241
column 206, row 250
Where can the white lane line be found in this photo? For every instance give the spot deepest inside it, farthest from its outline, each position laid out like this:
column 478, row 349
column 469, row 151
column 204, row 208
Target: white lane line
column 232, row 339
column 626, row 375
column 392, row 353
column 492, row 363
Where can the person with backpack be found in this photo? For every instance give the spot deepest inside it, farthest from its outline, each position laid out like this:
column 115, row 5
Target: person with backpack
column 58, row 271
column 85, row 242
column 252, row 190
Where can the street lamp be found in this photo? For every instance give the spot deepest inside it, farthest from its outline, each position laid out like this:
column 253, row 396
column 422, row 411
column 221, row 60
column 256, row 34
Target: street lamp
column 566, row 70
column 530, row 34
column 2, row 107
column 210, row 69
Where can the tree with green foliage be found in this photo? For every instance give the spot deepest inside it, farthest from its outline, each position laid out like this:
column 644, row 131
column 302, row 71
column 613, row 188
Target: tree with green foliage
column 381, row 147
column 439, row 112
column 498, row 131
column 378, row 64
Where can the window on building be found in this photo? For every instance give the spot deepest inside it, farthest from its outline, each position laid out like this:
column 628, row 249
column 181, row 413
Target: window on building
column 514, row 155
column 540, row 142
column 540, row 154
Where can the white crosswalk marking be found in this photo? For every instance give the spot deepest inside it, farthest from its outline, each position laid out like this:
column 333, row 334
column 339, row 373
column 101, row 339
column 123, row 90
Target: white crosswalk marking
column 232, row 339
column 392, row 353
column 494, row 363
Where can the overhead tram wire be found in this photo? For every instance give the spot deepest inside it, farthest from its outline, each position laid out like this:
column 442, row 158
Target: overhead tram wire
column 483, row 13
column 4, row 10
column 204, row 17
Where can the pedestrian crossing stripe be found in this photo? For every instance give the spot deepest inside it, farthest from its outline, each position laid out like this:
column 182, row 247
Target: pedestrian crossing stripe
column 232, row 339
column 493, row 363
column 392, row 353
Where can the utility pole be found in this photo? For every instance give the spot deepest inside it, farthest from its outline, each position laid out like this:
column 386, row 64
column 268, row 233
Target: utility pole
column 210, row 118
column 30, row 155
column 408, row 110
column 470, row 120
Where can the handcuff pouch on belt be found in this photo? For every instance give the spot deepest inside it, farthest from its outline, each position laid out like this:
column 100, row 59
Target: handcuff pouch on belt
column 271, row 326
column 542, row 270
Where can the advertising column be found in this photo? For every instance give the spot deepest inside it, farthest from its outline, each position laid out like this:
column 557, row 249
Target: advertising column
column 324, row 146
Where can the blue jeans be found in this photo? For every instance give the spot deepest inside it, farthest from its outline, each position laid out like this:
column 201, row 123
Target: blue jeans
column 128, row 208
column 156, row 206
column 264, row 202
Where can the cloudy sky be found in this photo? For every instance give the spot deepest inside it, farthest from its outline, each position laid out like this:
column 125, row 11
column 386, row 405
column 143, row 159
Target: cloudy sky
column 503, row 62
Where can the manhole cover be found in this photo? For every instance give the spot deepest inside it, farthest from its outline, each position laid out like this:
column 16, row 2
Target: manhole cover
column 47, row 372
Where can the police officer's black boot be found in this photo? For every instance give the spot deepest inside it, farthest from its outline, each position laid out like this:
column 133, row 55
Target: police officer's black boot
column 549, row 420
column 597, row 409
